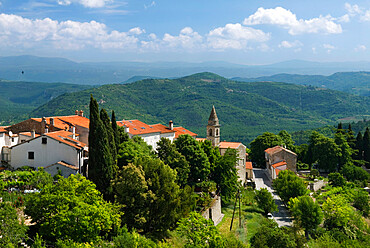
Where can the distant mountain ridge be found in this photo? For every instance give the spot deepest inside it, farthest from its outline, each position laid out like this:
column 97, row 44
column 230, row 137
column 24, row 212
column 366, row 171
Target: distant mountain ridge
column 245, row 109
column 43, row 69
column 352, row 82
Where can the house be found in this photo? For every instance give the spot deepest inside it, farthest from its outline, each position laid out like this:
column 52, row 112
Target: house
column 151, row 134
column 214, row 135
column 279, row 158
column 7, row 139
column 48, row 149
column 249, row 170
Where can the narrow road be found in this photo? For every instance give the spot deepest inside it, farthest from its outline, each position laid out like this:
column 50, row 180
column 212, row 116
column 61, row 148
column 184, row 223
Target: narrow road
column 282, row 217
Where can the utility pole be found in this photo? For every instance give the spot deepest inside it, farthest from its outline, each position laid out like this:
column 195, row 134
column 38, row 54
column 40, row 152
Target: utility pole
column 236, row 199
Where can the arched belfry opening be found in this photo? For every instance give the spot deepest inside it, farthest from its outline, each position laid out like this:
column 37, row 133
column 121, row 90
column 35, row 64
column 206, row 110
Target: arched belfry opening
column 213, row 128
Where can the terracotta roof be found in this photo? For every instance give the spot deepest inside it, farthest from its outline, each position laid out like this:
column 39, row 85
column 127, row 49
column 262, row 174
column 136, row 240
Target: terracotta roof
column 28, row 134
column 180, row 131
column 248, row 165
column 233, row 145
column 63, row 122
column 162, row 128
column 66, row 138
column 278, row 164
column 277, row 171
column 137, row 127
column 3, row 130
column 276, row 149
column 65, row 164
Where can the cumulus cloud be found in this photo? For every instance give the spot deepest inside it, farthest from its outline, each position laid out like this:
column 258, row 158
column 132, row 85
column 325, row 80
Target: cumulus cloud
column 85, row 3
column 16, row 31
column 187, row 38
column 360, row 48
column 366, row 16
column 290, row 44
column 234, row 36
column 286, row 19
column 328, row 47
column 352, row 9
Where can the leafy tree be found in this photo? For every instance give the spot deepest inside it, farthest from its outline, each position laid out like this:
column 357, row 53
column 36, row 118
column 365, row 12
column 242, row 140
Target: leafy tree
column 265, row 201
column 353, row 173
column 225, row 174
column 346, row 151
column 366, row 145
column 72, row 209
column 337, row 212
column 314, row 173
column 287, row 140
column 101, row 164
column 167, row 152
column 260, row 144
column 269, row 235
column 199, row 232
column 306, row 212
column 150, row 196
column 131, row 149
column 336, row 179
column 134, row 240
column 288, row 185
column 12, row 230
column 40, row 178
column 197, row 159
column 361, row 202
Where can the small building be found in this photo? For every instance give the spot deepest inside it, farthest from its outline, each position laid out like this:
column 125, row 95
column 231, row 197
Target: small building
column 63, row 168
column 279, row 158
column 249, row 170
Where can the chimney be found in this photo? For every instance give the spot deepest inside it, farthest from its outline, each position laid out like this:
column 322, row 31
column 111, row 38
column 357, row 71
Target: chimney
column 81, row 113
column 51, row 126
column 73, row 132
column 127, row 129
column 33, row 134
column 170, row 125
column 46, row 129
column 76, row 112
column 43, row 125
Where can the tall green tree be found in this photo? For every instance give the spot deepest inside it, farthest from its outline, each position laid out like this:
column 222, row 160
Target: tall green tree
column 336, row 179
column 111, row 137
column 366, row 145
column 288, row 185
column 101, row 164
column 72, row 209
column 351, row 140
column 196, row 157
column 115, row 131
column 359, row 146
column 167, row 152
column 337, row 212
column 287, row 140
column 12, row 228
column 260, row 144
column 306, row 213
column 265, row 201
column 346, row 151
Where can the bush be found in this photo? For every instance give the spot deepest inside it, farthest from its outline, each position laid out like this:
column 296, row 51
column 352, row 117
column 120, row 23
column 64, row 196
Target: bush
column 336, row 179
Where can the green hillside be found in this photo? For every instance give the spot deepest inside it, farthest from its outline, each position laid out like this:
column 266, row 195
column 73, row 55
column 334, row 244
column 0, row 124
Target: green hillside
column 245, row 109
column 17, row 99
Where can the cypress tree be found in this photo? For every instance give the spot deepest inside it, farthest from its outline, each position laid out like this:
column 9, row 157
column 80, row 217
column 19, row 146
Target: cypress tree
column 340, row 128
column 359, row 146
column 115, row 131
column 100, row 158
column 366, row 145
column 351, row 137
column 111, row 139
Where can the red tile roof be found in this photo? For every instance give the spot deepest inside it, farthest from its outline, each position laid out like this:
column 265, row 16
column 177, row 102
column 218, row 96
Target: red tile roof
column 277, row 171
column 63, row 122
column 28, row 134
column 233, row 145
column 276, row 149
column 137, row 127
column 180, row 131
column 162, row 128
column 278, row 164
column 65, row 164
column 248, row 165
column 66, row 138
column 3, row 130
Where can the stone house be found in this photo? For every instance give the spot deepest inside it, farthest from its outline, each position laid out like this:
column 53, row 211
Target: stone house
column 279, row 158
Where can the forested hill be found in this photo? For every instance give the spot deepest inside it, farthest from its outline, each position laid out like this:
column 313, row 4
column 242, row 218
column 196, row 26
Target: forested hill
column 245, row 109
column 357, row 83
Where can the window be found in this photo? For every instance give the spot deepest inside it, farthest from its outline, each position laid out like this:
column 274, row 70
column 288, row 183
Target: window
column 12, row 139
column 216, row 132
column 44, row 140
column 31, row 155
column 210, row 132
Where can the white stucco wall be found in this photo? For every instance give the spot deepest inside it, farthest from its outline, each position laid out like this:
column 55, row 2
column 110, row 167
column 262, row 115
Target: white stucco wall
column 151, row 139
column 44, row 154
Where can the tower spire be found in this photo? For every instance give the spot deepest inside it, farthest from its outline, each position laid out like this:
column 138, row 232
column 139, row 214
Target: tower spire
column 213, row 128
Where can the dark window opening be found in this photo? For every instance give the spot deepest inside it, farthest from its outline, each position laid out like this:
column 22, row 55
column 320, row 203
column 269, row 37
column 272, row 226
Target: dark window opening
column 44, row 141
column 216, row 131
column 31, row 155
column 210, row 132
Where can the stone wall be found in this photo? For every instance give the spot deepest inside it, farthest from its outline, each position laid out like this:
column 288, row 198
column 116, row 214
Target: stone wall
column 317, row 185
column 214, row 211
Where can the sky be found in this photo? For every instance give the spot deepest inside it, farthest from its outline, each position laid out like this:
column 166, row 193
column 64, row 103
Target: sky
column 247, row 32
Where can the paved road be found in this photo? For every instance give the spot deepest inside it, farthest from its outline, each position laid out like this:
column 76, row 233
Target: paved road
column 282, row 217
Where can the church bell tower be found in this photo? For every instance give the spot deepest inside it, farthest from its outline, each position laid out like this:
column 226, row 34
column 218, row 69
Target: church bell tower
column 213, row 128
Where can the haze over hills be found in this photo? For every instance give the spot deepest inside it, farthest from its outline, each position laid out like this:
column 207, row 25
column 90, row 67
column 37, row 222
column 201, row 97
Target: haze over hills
column 245, row 109
column 43, row 69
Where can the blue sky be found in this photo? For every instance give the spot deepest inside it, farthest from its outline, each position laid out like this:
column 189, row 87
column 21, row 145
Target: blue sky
column 237, row 31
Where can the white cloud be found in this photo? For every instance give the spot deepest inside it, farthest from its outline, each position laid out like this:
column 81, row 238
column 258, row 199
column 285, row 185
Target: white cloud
column 186, row 39
column 86, row 3
column 360, row 48
column 16, row 31
column 328, row 47
column 234, row 36
column 288, row 44
column 152, row 4
column 286, row 19
column 136, row 31
column 344, row 18
column 366, row 16
column 352, row 9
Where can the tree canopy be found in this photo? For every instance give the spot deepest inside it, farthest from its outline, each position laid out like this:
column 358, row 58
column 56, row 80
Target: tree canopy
column 288, row 185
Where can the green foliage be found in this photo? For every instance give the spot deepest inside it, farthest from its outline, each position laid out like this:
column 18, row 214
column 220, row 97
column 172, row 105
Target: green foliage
column 366, row 145
column 134, row 240
column 287, row 140
column 199, row 232
column 38, row 242
column 197, row 159
column 269, row 235
column 361, row 202
column 131, row 149
column 166, row 151
column 260, row 144
column 111, row 137
column 288, row 185
column 353, row 173
column 265, row 201
column 336, row 179
column 72, row 209
column 337, row 212
column 11, row 230
column 345, row 150
column 314, row 173
column 306, row 212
